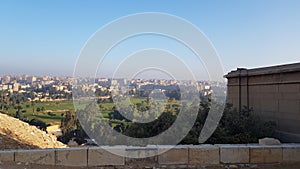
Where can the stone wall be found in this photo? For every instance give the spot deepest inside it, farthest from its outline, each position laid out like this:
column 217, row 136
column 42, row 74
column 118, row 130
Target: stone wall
column 178, row 157
column 273, row 93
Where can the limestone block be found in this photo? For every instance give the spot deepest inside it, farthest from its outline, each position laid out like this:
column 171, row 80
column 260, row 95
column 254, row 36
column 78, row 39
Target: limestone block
column 142, row 156
column 234, row 154
column 265, row 154
column 204, row 154
column 291, row 153
column 98, row 156
column 71, row 157
column 45, row 157
column 175, row 155
column 7, row 155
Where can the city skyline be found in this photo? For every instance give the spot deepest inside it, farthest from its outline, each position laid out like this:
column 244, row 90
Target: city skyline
column 45, row 38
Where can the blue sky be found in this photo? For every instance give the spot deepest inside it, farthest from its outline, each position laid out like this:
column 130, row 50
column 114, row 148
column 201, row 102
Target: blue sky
column 45, row 37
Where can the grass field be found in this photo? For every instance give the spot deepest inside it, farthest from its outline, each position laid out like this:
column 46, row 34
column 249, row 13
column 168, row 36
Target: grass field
column 49, row 112
column 52, row 112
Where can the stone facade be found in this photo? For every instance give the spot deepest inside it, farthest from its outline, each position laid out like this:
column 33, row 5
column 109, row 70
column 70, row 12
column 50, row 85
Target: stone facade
column 273, row 93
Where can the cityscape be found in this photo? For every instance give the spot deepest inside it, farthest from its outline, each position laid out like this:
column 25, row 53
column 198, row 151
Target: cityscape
column 150, row 84
column 47, row 88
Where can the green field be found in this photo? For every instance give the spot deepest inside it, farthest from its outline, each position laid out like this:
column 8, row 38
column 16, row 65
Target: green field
column 49, row 112
column 52, row 112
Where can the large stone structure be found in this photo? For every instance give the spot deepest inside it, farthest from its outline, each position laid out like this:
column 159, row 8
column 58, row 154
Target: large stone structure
column 273, row 93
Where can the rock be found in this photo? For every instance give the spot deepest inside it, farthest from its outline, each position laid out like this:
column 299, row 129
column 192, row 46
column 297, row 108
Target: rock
column 269, row 141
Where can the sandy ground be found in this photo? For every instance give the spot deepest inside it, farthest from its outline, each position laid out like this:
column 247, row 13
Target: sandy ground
column 10, row 165
column 15, row 134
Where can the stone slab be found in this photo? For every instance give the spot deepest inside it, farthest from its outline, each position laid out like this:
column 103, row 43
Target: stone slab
column 105, row 156
column 291, row 153
column 265, row 154
column 175, row 155
column 7, row 155
column 76, row 157
column 204, row 154
column 45, row 157
column 142, row 156
column 230, row 154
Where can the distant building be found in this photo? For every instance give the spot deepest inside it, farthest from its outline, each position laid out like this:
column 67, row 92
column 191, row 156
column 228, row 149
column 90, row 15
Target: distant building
column 31, row 79
column 273, row 93
column 16, row 87
column 6, row 79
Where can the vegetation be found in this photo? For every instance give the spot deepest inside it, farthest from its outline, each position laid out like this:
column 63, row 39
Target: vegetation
column 234, row 127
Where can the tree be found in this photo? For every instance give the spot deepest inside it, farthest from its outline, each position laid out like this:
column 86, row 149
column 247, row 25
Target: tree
column 68, row 124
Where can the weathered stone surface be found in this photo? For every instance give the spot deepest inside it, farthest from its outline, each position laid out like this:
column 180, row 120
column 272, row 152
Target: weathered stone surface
column 265, row 154
column 46, row 157
column 71, row 157
column 7, row 155
column 269, row 141
column 204, row 154
column 106, row 156
column 175, row 155
column 142, row 156
column 291, row 153
column 234, row 154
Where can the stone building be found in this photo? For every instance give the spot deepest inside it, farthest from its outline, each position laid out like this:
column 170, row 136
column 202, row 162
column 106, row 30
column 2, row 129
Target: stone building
column 273, row 93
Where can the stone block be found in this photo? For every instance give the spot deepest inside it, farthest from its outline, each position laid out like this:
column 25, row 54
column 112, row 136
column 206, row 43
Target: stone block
column 7, row 155
column 291, row 153
column 265, row 154
column 204, row 154
column 142, row 156
column 98, row 156
column 269, row 141
column 175, row 155
column 45, row 157
column 230, row 154
column 76, row 157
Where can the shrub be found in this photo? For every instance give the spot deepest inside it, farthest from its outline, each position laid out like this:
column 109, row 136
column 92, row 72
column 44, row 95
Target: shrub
column 241, row 127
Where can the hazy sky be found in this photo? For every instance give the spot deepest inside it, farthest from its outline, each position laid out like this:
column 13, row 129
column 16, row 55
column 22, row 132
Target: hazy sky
column 45, row 37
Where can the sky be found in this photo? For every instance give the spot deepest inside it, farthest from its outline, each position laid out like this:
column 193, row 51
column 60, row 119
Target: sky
column 46, row 37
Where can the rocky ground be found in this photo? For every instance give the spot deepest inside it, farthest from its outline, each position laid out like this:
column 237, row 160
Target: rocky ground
column 15, row 134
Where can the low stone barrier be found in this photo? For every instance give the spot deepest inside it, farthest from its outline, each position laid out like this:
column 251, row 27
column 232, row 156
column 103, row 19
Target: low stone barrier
column 158, row 156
